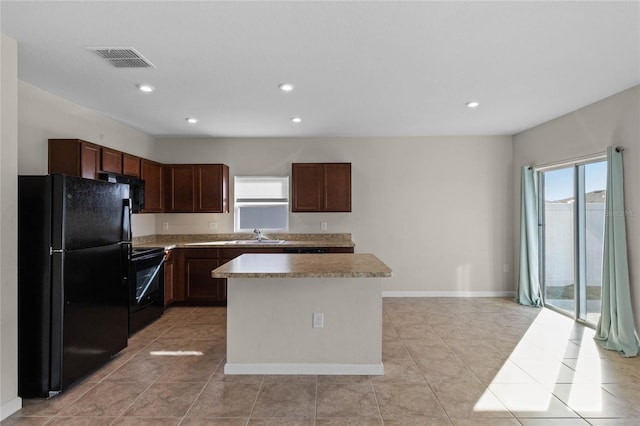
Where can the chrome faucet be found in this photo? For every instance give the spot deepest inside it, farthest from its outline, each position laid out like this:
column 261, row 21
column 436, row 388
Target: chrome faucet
column 258, row 234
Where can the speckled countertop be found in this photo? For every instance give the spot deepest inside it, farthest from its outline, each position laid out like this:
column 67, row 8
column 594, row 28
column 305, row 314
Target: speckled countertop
column 339, row 265
column 226, row 240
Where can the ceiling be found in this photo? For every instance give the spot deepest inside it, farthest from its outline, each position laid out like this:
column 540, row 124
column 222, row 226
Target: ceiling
column 359, row 68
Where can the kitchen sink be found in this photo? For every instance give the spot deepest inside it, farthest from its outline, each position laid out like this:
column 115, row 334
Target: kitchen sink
column 263, row 241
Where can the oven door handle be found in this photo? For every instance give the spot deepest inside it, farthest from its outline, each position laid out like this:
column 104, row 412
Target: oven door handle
column 149, row 281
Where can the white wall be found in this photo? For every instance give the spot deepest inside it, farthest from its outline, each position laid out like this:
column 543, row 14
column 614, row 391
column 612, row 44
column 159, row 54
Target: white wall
column 589, row 130
column 435, row 209
column 44, row 116
column 9, row 401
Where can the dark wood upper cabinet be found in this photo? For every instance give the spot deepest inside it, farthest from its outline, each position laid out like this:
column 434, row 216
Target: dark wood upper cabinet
column 184, row 188
column 337, row 187
column 197, row 188
column 212, row 188
column 89, row 160
column 306, row 186
column 110, row 160
column 130, row 165
column 179, row 188
column 153, row 175
column 74, row 157
column 321, row 187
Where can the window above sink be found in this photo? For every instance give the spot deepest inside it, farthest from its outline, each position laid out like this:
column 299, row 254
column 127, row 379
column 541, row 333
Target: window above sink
column 261, row 202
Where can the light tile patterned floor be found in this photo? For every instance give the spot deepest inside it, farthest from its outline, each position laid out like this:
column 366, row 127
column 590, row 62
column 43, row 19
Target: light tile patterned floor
column 481, row 361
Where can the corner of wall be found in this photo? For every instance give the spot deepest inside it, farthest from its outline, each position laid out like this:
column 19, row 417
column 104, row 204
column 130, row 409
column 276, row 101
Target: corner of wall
column 9, row 400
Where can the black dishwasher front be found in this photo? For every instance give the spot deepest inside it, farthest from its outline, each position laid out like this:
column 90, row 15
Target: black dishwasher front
column 306, row 250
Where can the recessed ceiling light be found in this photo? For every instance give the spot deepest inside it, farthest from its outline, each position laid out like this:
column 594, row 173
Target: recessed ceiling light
column 146, row 88
column 473, row 104
column 286, row 87
column 296, row 119
column 191, row 120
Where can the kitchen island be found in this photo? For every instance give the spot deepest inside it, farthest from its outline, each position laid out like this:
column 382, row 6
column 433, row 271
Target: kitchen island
column 304, row 313
column 190, row 259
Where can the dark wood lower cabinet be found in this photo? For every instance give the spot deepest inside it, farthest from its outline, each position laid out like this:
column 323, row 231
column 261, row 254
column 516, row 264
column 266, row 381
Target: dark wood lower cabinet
column 188, row 273
column 199, row 286
column 169, row 277
column 193, row 284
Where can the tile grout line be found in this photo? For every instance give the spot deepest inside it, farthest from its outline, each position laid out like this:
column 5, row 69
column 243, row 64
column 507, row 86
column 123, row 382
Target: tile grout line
column 255, row 401
column 483, row 384
column 375, row 396
column 499, row 341
column 211, row 375
column 315, row 408
column 435, row 395
column 186, row 413
column 99, row 382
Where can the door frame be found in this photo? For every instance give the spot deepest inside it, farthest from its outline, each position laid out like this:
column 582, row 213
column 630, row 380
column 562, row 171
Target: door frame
column 579, row 234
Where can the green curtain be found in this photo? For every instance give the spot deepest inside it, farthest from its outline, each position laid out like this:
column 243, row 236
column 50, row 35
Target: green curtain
column 616, row 329
column 528, row 280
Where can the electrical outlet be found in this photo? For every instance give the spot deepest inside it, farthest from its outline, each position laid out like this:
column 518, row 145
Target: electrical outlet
column 505, row 268
column 213, row 226
column 165, row 226
column 323, row 226
column 318, row 320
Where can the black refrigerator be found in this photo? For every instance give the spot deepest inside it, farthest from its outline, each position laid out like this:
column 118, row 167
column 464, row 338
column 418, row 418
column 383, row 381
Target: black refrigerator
column 74, row 248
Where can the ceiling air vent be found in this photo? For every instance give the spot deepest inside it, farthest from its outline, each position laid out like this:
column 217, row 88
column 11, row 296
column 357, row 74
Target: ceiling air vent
column 122, row 57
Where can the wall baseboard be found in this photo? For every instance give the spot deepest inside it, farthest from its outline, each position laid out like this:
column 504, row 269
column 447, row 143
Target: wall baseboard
column 314, row 369
column 10, row 407
column 448, row 294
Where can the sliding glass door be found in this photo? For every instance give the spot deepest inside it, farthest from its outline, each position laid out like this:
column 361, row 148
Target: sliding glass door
column 572, row 236
column 558, row 212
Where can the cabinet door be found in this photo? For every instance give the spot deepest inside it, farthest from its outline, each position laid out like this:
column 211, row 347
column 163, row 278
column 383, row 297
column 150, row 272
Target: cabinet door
column 180, row 188
column 152, row 174
column 199, row 285
column 307, row 183
column 64, row 156
column 337, row 187
column 130, row 165
column 169, row 274
column 212, row 188
column 74, row 157
column 111, row 160
column 89, row 160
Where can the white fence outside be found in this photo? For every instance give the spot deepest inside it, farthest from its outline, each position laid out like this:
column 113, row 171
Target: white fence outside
column 559, row 243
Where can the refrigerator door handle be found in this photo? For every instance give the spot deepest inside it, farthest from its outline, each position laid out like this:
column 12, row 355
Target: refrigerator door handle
column 126, row 220
column 125, row 259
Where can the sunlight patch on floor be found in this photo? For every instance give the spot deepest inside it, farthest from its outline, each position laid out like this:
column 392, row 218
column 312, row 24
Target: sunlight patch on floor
column 525, row 382
column 176, row 353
